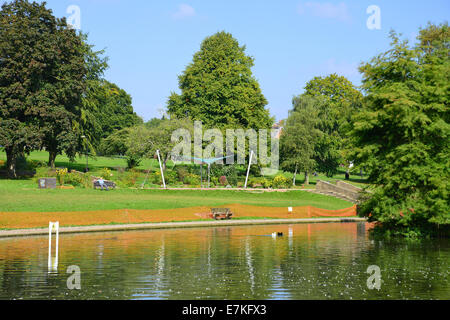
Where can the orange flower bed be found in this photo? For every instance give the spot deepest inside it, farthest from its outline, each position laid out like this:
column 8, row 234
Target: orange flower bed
column 20, row 220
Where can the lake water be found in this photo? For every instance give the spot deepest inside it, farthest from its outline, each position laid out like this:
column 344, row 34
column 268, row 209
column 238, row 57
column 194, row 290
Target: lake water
column 310, row 261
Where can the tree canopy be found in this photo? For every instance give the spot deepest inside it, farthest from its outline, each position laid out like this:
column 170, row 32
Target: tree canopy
column 402, row 134
column 339, row 101
column 111, row 109
column 300, row 134
column 41, row 80
column 218, row 87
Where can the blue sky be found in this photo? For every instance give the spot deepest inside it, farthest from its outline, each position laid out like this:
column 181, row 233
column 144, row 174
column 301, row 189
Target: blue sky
column 150, row 43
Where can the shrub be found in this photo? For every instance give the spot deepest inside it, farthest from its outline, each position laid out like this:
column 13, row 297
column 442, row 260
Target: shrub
column 223, row 180
column 129, row 178
column 231, row 173
column 214, row 181
column 192, row 179
column 217, row 170
column 255, row 182
column 77, row 179
column 170, row 177
column 106, row 174
column 266, row 183
column 259, row 182
column 182, row 172
column 281, row 182
column 133, row 161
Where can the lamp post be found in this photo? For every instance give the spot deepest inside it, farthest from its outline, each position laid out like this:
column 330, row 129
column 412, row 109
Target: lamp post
column 87, row 161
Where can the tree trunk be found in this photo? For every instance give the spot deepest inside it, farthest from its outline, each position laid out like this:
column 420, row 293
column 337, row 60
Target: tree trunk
column 51, row 159
column 11, row 164
column 295, row 175
column 306, row 178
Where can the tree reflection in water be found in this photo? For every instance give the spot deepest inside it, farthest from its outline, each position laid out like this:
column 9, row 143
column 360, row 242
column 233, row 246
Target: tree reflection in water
column 311, row 261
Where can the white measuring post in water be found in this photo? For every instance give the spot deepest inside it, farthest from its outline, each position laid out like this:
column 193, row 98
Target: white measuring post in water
column 160, row 167
column 248, row 170
column 53, row 261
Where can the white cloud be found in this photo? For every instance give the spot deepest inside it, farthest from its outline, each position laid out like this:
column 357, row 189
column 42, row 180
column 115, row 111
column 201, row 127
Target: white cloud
column 325, row 10
column 184, row 11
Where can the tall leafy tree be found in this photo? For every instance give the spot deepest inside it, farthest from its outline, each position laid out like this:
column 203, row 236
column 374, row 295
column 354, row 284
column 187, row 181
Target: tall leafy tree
column 402, row 135
column 89, row 127
column 341, row 101
column 119, row 143
column 112, row 109
column 106, row 108
column 41, row 79
column 299, row 136
column 143, row 141
column 219, row 89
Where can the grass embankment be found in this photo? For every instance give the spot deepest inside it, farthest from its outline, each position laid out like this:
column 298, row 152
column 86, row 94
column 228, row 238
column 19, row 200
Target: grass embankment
column 23, row 205
column 24, row 196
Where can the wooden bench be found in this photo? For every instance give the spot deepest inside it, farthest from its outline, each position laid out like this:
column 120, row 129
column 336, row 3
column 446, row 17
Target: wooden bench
column 109, row 184
column 221, row 213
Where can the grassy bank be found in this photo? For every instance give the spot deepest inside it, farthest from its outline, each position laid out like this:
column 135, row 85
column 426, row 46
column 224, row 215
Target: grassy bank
column 24, row 196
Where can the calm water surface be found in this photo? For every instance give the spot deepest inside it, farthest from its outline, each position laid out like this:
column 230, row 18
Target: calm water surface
column 311, row 261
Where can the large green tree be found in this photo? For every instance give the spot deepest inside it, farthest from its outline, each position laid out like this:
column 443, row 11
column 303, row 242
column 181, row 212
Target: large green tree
column 119, row 143
column 105, row 108
column 41, row 79
column 341, row 100
column 402, row 135
column 143, row 141
column 111, row 108
column 300, row 135
column 219, row 89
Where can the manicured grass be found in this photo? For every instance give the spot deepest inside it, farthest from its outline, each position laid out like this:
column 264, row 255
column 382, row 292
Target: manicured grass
column 24, row 196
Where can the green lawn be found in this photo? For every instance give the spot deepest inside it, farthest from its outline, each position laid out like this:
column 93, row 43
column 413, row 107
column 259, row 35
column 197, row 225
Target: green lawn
column 23, row 195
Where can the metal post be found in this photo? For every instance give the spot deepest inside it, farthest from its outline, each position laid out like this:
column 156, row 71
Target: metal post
column 201, row 174
column 160, row 167
column 248, row 170
column 209, row 172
